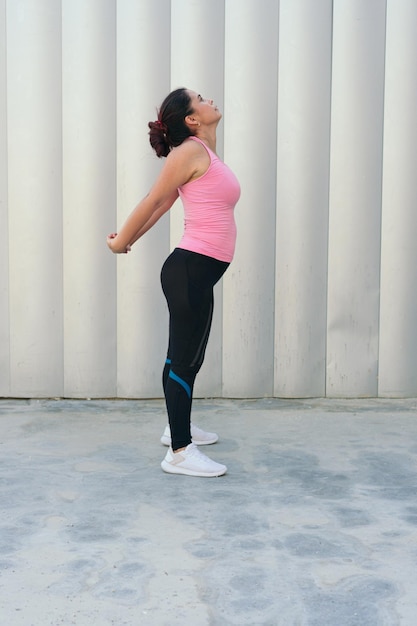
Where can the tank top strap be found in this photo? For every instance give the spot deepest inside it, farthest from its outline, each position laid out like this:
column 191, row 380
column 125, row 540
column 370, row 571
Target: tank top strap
column 211, row 153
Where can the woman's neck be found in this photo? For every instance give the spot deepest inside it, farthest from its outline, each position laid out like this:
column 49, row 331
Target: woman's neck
column 208, row 135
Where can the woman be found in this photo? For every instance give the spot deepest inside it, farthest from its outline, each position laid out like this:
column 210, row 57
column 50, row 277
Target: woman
column 185, row 133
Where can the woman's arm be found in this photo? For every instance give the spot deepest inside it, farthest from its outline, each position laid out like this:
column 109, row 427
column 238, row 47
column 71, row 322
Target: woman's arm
column 155, row 217
column 115, row 246
column 179, row 168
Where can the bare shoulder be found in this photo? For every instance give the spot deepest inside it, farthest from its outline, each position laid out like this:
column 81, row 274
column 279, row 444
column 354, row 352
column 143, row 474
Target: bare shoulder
column 192, row 156
column 188, row 149
column 183, row 164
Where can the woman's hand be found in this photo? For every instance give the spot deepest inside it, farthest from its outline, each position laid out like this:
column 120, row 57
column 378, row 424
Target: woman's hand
column 112, row 244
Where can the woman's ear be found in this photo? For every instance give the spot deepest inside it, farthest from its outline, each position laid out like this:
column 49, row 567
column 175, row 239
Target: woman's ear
column 191, row 121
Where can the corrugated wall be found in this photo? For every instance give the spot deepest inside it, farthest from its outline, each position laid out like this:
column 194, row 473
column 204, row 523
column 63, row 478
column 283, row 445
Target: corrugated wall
column 319, row 101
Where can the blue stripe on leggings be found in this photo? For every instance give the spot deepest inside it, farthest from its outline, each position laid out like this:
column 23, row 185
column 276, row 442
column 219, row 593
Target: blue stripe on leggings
column 168, row 361
column 181, row 382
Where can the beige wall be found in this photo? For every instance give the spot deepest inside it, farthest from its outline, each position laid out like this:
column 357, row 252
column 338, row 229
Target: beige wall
column 319, row 102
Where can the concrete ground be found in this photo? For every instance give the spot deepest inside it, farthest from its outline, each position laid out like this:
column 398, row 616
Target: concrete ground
column 313, row 525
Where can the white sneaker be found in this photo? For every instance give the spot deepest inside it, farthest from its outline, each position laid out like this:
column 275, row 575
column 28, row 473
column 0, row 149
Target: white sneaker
column 191, row 462
column 198, row 436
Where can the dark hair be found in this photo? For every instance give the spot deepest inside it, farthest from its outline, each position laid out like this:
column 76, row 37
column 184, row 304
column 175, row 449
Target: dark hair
column 170, row 129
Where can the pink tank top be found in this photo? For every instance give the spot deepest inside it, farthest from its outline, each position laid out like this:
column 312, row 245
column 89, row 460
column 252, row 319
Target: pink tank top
column 209, row 202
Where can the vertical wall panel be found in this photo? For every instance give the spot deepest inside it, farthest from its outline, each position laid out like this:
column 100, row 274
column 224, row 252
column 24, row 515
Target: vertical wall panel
column 35, row 196
column 398, row 345
column 302, row 196
column 199, row 27
column 197, row 52
column 250, row 150
column 89, row 117
column 143, row 37
column 355, row 197
column 4, row 232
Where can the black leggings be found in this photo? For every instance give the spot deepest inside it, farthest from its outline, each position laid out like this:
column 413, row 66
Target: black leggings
column 187, row 280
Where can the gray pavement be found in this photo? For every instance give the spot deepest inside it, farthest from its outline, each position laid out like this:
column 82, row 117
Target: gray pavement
column 313, row 525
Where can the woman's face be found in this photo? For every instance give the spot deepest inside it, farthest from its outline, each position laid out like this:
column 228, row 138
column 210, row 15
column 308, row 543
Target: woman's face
column 204, row 110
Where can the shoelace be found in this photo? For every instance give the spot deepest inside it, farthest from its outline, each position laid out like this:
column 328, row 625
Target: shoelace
column 195, row 452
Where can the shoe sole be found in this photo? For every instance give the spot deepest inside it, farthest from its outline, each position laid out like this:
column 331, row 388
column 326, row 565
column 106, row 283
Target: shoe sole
column 166, row 441
column 173, row 469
